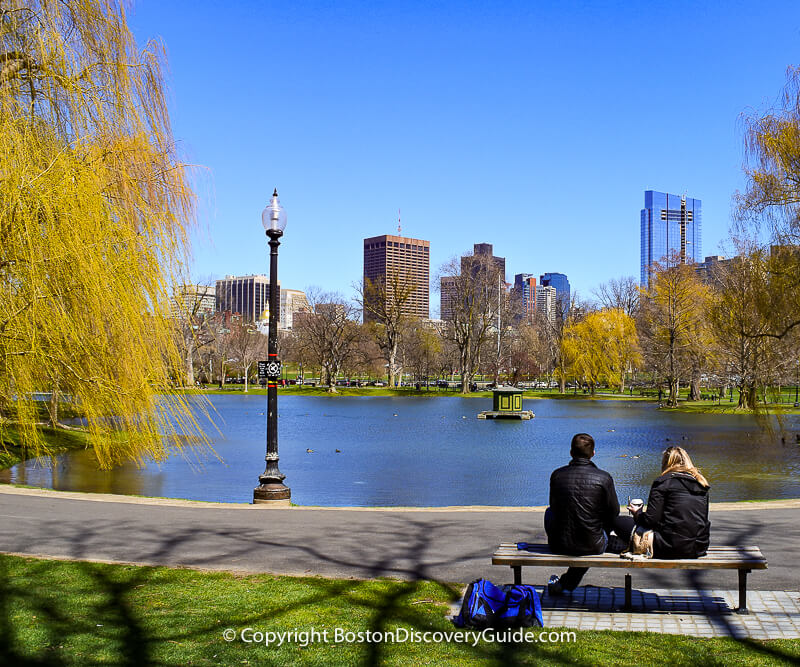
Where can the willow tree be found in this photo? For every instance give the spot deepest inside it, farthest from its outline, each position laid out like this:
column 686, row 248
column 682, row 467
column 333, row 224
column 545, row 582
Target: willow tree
column 601, row 347
column 94, row 210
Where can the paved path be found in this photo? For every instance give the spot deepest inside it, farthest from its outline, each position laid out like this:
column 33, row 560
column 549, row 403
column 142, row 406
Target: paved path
column 707, row 613
column 451, row 546
column 445, row 545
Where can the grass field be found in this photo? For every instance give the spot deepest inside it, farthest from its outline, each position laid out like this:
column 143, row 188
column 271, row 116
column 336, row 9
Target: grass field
column 77, row 613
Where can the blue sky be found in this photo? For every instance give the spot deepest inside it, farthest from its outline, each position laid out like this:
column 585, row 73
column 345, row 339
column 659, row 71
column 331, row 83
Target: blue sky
column 533, row 126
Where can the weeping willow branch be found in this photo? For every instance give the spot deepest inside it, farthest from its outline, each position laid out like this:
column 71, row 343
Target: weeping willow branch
column 96, row 209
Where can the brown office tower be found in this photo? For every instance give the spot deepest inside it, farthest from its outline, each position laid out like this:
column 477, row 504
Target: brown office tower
column 408, row 259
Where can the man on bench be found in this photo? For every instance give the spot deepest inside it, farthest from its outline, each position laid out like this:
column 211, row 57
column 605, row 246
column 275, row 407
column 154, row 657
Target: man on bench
column 583, row 512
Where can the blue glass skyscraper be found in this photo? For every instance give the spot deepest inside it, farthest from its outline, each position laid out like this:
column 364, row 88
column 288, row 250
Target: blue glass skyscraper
column 560, row 282
column 670, row 224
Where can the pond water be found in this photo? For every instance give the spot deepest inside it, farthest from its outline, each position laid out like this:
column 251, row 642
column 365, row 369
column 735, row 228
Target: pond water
column 434, row 452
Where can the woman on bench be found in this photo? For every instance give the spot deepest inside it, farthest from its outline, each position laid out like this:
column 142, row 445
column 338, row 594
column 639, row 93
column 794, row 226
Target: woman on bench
column 677, row 508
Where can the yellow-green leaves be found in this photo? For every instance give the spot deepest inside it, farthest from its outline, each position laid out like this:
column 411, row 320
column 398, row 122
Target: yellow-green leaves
column 94, row 210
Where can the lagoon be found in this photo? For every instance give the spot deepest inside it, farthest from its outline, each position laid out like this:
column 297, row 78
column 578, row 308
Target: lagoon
column 417, row 451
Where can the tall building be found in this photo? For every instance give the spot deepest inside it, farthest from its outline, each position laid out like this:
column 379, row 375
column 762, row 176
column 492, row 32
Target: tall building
column 447, row 289
column 247, row 295
column 292, row 301
column 670, row 224
column 409, row 259
column 525, row 286
column 485, row 250
column 546, row 296
column 560, row 282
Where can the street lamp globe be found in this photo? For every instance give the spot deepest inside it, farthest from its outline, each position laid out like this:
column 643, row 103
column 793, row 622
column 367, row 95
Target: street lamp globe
column 274, row 215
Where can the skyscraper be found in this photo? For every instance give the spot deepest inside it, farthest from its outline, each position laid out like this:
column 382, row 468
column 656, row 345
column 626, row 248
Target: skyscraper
column 670, row 224
column 525, row 286
column 561, row 284
column 408, row 259
column 546, row 296
column 447, row 293
column 247, row 295
column 485, row 250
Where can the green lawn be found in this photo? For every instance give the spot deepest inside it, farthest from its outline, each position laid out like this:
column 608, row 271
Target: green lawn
column 76, row 613
column 58, row 440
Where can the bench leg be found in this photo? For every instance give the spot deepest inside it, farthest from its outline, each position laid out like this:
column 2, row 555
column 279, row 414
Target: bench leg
column 743, row 592
column 517, row 574
column 628, row 593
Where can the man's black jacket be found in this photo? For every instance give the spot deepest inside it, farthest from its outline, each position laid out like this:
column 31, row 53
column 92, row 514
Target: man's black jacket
column 583, row 502
column 677, row 510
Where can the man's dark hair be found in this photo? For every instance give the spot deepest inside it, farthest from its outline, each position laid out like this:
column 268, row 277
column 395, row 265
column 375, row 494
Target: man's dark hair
column 582, row 446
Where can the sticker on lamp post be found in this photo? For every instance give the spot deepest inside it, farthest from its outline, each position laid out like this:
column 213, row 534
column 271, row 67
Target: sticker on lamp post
column 269, row 370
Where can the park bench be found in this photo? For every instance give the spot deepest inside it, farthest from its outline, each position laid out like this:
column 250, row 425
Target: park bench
column 743, row 559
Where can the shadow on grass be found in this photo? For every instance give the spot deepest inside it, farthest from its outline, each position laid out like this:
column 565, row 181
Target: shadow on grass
column 77, row 612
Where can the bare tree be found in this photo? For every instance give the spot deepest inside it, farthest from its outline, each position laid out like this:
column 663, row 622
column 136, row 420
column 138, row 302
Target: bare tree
column 422, row 349
column 509, row 314
column 385, row 303
column 620, row 294
column 247, row 345
column 472, row 313
column 328, row 333
column 192, row 318
column 528, row 349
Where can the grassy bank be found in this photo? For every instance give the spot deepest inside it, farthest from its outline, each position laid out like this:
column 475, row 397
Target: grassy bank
column 698, row 407
column 712, row 407
column 74, row 613
column 58, row 440
column 340, row 391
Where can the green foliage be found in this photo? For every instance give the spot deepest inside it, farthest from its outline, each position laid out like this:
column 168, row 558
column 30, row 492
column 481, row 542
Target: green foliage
column 95, row 209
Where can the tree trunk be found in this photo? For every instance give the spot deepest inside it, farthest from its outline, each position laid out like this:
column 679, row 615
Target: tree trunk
column 672, row 401
column 54, row 405
column 744, row 398
column 190, row 363
column 694, row 386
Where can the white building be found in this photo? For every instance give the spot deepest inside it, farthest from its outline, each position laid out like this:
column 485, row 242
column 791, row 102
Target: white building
column 292, row 301
column 546, row 301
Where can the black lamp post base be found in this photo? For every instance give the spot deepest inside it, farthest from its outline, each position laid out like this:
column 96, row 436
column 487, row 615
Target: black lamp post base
column 267, row 493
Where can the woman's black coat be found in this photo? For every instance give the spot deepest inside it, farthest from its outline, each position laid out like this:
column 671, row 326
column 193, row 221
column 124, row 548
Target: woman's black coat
column 677, row 510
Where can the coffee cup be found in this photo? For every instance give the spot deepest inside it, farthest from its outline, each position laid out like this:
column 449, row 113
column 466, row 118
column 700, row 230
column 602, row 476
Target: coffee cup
column 637, row 504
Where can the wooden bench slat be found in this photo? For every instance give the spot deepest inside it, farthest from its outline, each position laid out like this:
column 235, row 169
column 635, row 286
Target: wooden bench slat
column 718, row 557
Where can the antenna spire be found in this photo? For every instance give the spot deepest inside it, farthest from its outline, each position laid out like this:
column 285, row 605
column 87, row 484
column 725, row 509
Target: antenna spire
column 399, row 226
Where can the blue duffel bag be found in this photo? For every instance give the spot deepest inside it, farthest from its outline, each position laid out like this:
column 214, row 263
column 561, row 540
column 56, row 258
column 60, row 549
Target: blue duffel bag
column 488, row 606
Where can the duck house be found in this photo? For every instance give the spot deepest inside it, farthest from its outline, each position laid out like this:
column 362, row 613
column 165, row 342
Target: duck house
column 506, row 404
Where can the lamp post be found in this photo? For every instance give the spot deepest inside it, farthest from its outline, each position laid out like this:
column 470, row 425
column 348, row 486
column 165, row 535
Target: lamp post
column 271, row 486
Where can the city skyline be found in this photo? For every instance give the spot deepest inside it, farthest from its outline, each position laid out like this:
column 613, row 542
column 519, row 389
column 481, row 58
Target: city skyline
column 563, row 139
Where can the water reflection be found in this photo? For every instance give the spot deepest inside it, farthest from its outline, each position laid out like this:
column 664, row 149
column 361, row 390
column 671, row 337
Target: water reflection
column 418, row 452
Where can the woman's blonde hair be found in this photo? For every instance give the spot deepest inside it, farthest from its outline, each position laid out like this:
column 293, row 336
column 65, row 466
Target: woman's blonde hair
column 676, row 459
